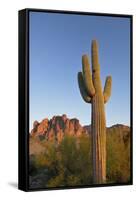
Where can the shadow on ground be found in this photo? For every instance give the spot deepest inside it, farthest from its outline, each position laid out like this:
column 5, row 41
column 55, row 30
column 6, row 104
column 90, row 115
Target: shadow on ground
column 13, row 184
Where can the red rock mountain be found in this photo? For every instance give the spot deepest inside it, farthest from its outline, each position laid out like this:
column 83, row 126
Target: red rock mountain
column 59, row 126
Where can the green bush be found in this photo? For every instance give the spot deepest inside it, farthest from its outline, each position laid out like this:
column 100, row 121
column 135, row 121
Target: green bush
column 69, row 163
column 118, row 159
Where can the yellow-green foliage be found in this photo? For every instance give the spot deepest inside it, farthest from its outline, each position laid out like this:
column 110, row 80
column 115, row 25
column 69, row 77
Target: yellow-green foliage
column 69, row 162
column 118, row 159
column 73, row 162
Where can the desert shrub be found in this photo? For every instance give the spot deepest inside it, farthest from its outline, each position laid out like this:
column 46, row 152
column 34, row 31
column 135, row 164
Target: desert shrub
column 69, row 163
column 118, row 159
column 32, row 165
column 74, row 163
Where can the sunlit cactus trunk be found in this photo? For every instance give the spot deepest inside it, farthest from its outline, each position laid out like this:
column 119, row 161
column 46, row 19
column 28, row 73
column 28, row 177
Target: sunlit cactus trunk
column 98, row 130
column 91, row 91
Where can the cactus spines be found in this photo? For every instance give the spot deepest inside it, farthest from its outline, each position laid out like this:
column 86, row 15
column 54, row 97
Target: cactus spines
column 91, row 90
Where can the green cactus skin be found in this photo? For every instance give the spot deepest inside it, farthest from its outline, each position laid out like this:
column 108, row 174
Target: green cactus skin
column 91, row 90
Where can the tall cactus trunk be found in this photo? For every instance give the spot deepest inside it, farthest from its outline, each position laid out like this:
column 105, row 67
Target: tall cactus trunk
column 91, row 90
column 98, row 130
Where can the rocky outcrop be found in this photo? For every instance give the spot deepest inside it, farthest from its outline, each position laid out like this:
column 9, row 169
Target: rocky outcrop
column 57, row 127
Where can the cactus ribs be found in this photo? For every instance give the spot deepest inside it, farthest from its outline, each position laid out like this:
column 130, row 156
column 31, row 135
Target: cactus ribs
column 91, row 90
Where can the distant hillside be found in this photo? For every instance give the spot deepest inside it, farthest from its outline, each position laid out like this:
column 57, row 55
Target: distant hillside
column 58, row 126
column 60, row 153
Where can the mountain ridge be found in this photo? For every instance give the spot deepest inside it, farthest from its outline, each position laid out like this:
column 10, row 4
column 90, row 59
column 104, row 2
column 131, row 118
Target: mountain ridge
column 61, row 125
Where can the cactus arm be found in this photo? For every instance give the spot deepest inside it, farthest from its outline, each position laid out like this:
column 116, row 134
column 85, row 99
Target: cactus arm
column 87, row 76
column 90, row 86
column 83, row 92
column 107, row 89
column 95, row 58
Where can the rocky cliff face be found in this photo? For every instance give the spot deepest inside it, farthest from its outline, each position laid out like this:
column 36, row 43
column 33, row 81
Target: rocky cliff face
column 57, row 127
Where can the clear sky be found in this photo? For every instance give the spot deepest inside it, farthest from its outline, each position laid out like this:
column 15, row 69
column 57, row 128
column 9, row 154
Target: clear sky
column 57, row 43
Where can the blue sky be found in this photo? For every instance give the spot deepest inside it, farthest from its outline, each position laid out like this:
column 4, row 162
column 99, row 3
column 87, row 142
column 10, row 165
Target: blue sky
column 57, row 43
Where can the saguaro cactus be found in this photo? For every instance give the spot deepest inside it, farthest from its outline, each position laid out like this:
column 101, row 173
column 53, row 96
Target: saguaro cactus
column 91, row 90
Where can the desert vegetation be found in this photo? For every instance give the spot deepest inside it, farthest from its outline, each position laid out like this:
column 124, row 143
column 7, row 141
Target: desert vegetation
column 68, row 163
